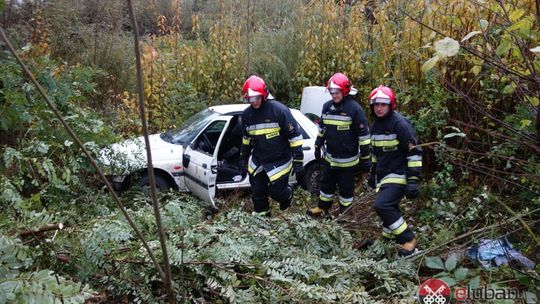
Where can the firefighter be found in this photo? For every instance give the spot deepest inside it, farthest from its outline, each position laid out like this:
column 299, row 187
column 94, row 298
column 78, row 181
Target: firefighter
column 271, row 147
column 345, row 141
column 397, row 164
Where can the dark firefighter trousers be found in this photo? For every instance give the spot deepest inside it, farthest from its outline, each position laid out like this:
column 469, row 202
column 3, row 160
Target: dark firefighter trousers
column 387, row 207
column 332, row 178
column 279, row 190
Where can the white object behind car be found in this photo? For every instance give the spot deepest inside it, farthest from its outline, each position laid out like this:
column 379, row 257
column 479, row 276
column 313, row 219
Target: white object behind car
column 313, row 99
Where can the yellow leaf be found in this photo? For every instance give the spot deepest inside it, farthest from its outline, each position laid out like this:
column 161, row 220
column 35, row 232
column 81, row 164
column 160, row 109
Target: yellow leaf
column 428, row 65
column 503, row 48
column 476, row 70
column 509, row 88
column 523, row 24
column 515, row 15
column 525, row 123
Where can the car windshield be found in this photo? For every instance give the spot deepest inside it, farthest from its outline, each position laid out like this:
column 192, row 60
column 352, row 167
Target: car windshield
column 190, row 128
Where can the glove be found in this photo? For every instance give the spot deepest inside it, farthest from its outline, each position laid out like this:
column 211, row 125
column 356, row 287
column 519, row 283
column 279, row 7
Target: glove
column 317, row 154
column 365, row 165
column 371, row 181
column 412, row 190
column 298, row 170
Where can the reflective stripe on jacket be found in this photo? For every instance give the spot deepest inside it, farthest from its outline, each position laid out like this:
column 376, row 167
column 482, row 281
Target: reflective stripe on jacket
column 344, row 132
column 396, row 156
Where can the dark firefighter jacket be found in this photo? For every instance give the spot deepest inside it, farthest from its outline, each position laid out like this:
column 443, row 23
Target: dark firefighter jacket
column 273, row 138
column 343, row 127
column 396, row 157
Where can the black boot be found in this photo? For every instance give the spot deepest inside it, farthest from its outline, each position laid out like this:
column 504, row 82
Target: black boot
column 284, row 205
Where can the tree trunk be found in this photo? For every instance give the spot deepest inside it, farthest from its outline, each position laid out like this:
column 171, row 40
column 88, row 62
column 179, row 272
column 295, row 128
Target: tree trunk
column 45, row 228
column 538, row 123
column 7, row 14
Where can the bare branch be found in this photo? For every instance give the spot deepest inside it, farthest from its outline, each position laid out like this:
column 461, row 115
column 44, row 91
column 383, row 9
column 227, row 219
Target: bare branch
column 45, row 228
column 140, row 90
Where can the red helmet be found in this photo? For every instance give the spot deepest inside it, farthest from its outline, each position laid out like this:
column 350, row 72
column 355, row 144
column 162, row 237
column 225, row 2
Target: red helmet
column 339, row 81
column 254, row 86
column 383, row 94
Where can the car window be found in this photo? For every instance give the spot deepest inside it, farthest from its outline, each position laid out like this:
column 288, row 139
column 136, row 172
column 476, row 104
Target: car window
column 207, row 141
column 190, row 128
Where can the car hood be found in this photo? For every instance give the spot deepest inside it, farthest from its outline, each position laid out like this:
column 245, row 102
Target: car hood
column 130, row 155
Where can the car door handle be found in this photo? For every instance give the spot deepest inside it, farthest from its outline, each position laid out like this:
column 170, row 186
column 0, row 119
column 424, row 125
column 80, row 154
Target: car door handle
column 213, row 169
column 306, row 148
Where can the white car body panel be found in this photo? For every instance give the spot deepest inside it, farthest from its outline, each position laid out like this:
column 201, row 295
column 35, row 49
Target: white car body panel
column 201, row 173
column 130, row 156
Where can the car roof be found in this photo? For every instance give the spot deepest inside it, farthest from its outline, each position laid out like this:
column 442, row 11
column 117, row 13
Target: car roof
column 234, row 108
column 230, row 108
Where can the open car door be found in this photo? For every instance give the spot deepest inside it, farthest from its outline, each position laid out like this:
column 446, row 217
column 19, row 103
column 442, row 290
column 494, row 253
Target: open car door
column 200, row 160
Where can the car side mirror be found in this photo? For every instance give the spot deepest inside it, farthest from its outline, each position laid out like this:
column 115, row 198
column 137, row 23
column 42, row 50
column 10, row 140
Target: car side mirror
column 185, row 160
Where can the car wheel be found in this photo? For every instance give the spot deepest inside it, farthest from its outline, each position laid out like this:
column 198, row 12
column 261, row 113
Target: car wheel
column 161, row 183
column 313, row 177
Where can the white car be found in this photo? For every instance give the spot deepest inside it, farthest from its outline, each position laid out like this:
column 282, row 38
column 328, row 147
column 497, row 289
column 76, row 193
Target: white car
column 201, row 156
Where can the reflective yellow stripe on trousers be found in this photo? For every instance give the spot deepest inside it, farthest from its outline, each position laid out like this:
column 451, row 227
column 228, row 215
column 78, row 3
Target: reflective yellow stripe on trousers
column 398, row 226
column 392, row 179
column 278, row 172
